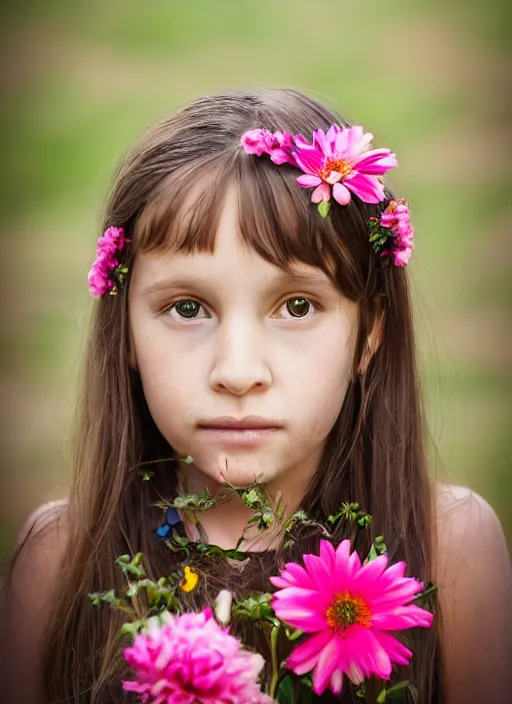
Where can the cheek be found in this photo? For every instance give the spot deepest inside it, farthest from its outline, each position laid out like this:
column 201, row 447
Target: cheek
column 324, row 375
column 171, row 384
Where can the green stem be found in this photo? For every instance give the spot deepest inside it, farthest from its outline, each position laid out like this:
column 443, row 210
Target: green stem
column 275, row 668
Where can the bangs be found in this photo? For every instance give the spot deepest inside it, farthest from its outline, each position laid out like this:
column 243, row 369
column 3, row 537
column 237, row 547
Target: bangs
column 275, row 218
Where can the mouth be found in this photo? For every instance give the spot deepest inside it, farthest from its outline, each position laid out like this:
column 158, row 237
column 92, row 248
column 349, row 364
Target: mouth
column 240, row 424
column 250, row 431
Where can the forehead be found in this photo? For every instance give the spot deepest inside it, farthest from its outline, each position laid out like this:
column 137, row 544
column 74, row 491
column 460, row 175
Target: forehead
column 231, row 259
column 260, row 203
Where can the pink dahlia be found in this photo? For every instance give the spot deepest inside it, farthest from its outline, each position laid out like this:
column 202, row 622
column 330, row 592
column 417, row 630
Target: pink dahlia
column 348, row 609
column 397, row 218
column 109, row 245
column 340, row 158
column 191, row 659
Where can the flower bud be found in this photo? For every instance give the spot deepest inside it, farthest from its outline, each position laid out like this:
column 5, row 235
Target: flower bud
column 222, row 607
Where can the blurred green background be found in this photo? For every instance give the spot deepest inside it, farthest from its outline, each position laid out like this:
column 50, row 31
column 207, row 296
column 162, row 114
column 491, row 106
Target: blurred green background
column 82, row 79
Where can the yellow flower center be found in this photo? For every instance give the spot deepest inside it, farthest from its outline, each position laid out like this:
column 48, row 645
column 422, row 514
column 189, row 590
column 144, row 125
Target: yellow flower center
column 190, row 580
column 347, row 610
column 341, row 167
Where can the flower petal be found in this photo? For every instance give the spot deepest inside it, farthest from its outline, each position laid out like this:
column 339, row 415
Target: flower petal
column 368, row 188
column 322, row 192
column 377, row 161
column 308, row 181
column 325, row 667
column 402, row 617
column 310, row 161
column 305, row 656
column 341, row 194
column 396, row 651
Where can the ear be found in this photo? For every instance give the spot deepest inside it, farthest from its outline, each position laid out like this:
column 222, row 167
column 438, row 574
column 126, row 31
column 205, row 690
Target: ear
column 373, row 341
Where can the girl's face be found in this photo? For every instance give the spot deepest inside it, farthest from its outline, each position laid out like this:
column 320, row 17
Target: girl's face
column 243, row 366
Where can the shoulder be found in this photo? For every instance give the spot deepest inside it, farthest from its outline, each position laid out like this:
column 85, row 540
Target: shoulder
column 37, row 556
column 26, row 596
column 474, row 579
column 42, row 539
column 467, row 528
column 48, row 519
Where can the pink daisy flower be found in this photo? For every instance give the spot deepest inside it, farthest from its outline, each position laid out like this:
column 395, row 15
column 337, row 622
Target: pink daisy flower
column 191, row 659
column 348, row 609
column 340, row 158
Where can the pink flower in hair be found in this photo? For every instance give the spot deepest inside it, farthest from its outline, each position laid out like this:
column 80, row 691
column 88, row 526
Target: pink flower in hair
column 191, row 659
column 348, row 611
column 106, row 268
column 396, row 218
column 341, row 159
column 278, row 145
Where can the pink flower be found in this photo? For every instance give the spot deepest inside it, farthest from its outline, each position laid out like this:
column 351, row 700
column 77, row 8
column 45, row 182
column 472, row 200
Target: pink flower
column 397, row 218
column 191, row 659
column 109, row 245
column 257, row 142
column 340, row 159
column 278, row 145
column 348, row 609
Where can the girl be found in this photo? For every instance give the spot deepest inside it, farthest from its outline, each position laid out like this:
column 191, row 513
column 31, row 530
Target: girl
column 271, row 341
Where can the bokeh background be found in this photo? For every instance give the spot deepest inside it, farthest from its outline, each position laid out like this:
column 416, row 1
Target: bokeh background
column 80, row 80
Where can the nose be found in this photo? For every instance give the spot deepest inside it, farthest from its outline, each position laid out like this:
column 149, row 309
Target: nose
column 240, row 364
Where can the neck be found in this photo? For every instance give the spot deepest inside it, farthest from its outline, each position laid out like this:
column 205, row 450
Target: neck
column 227, row 521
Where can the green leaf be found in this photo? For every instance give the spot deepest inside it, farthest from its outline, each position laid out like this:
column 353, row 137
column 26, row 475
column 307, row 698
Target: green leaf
column 255, row 607
column 145, row 475
column 307, row 681
column 131, row 629
column 378, row 548
column 293, row 635
column 285, row 691
column 398, row 691
column 382, row 697
column 361, row 692
column 198, row 502
column 209, row 550
column 324, row 208
column 132, row 567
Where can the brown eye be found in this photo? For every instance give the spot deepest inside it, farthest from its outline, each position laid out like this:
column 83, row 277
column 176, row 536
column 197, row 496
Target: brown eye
column 187, row 308
column 298, row 307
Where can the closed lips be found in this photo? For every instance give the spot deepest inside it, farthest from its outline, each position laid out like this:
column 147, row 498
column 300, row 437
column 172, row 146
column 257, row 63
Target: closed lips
column 247, row 423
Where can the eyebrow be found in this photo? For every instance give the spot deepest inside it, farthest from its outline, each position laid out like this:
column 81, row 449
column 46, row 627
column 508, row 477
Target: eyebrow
column 284, row 278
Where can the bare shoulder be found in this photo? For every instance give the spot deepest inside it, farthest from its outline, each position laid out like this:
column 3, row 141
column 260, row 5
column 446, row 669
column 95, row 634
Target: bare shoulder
column 474, row 579
column 43, row 537
column 469, row 533
column 25, row 598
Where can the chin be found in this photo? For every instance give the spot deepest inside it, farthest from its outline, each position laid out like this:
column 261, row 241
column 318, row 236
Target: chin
column 239, row 471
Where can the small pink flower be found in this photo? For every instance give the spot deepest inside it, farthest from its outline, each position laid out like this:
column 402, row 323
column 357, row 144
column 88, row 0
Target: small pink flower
column 397, row 218
column 340, row 159
column 348, row 609
column 109, row 245
column 257, row 142
column 191, row 659
column 278, row 145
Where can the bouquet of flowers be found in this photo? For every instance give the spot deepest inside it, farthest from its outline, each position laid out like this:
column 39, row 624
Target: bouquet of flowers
column 338, row 614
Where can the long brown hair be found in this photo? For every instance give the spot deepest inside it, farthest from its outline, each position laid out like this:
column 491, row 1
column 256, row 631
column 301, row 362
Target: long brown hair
column 374, row 454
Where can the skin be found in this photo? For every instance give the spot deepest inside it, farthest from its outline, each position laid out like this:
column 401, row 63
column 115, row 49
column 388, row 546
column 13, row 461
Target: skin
column 244, row 353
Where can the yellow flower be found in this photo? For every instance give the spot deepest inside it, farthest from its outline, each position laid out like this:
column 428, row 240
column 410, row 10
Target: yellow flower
column 190, row 580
